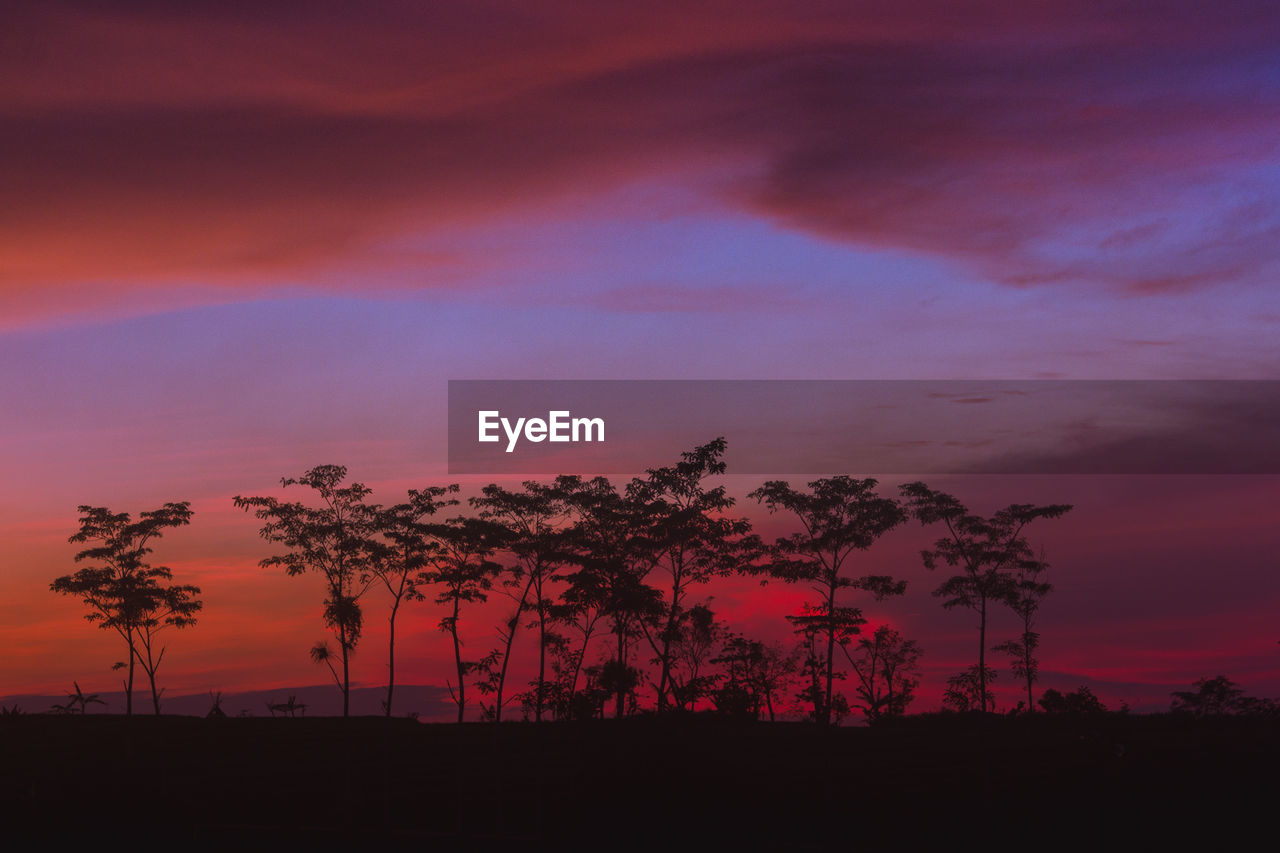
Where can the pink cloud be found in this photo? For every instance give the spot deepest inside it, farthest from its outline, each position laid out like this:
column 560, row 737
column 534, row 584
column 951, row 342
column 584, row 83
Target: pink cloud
column 238, row 148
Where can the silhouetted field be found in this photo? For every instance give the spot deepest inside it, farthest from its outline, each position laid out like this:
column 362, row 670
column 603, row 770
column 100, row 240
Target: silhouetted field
column 1004, row 783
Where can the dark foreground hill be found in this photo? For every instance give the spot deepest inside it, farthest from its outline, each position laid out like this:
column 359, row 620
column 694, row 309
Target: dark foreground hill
column 1023, row 784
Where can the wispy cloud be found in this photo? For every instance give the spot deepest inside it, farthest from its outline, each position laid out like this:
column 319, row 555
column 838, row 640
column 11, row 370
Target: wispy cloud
column 242, row 146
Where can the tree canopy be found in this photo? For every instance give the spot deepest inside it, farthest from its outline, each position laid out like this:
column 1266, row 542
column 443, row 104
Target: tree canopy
column 123, row 591
column 838, row 516
column 335, row 539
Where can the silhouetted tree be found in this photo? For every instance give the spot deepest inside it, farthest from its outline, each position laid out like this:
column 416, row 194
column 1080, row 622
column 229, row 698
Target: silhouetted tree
column 990, row 553
column 698, row 635
column 682, row 520
column 461, row 568
column 555, row 694
column 618, row 678
column 755, row 673
column 580, row 610
column 583, row 606
column 886, row 666
column 334, row 539
column 124, row 592
column 175, row 605
column 821, row 632
column 1028, row 591
column 1078, row 701
column 410, row 542
column 1216, row 696
column 967, row 691
column 612, row 564
column 839, row 515
column 534, row 521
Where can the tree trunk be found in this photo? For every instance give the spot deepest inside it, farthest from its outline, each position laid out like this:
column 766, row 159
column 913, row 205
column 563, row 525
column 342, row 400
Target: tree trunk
column 151, row 667
column 506, row 654
column 621, row 667
column 982, row 656
column 542, row 651
column 887, row 675
column 457, row 658
column 346, row 673
column 664, row 679
column 1026, row 648
column 664, row 656
column 831, row 654
column 128, row 687
column 391, row 655
column 502, row 673
column 577, row 669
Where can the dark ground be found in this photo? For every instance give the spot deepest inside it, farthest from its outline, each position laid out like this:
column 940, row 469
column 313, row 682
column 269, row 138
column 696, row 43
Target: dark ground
column 1026, row 784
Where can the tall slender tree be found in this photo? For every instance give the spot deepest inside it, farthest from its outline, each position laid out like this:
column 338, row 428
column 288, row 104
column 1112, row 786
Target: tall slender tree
column 335, row 539
column 886, row 668
column 580, row 610
column 691, row 679
column 967, row 691
column 683, row 520
column 409, row 543
column 838, row 516
column 989, row 552
column 462, row 571
column 164, row 605
column 124, row 592
column 611, row 565
column 1029, row 589
column 534, row 521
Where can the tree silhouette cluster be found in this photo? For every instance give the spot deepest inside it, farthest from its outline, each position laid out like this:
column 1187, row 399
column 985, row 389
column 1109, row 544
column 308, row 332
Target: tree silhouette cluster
column 1220, row 696
column 1075, row 702
column 607, row 586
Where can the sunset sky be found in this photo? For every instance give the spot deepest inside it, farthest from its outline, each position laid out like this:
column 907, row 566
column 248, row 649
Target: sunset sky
column 239, row 240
